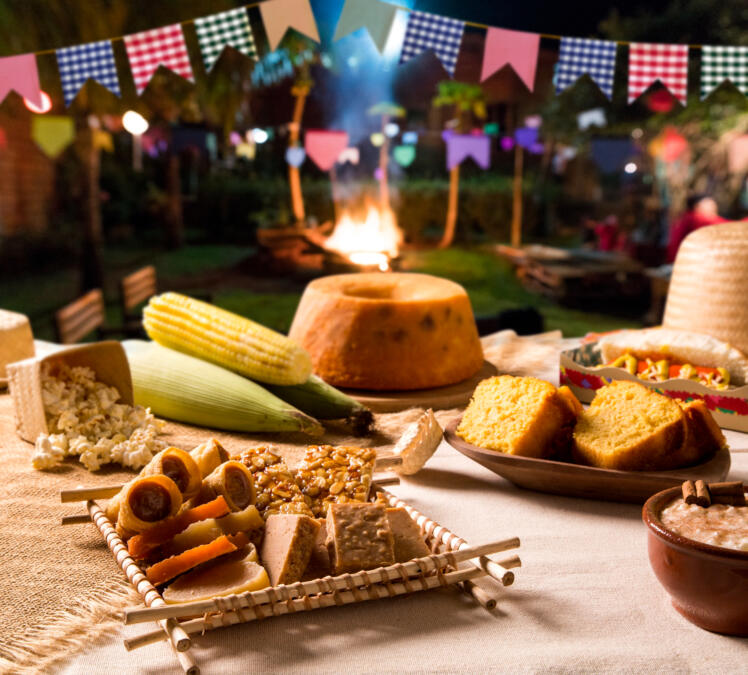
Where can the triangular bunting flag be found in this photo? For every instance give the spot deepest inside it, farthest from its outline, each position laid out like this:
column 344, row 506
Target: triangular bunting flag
column 324, row 147
column 723, row 63
column 52, row 133
column 280, row 15
column 93, row 60
column 19, row 73
column 153, row 48
column 579, row 56
column 518, row 49
column 404, row 154
column 377, row 17
column 431, row 32
column 230, row 28
column 651, row 62
column 462, row 146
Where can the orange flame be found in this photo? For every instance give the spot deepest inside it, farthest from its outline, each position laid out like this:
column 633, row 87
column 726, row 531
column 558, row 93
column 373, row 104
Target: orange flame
column 372, row 242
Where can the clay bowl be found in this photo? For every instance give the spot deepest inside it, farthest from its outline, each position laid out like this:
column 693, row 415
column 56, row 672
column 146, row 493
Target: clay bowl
column 708, row 584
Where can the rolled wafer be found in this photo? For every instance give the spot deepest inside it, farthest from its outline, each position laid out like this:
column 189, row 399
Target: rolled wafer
column 145, row 501
column 232, row 480
column 208, row 456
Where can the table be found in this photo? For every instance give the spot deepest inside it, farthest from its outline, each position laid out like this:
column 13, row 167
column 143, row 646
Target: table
column 585, row 600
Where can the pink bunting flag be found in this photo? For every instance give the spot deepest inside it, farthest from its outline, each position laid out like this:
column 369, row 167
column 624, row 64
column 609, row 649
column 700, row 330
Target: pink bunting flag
column 280, row 15
column 19, row 73
column 324, row 147
column 651, row 62
column 512, row 47
column 150, row 49
column 462, row 146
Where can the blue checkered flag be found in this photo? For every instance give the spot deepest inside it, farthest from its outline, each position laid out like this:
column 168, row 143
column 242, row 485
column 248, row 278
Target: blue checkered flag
column 229, row 28
column 431, row 32
column 579, row 56
column 94, row 60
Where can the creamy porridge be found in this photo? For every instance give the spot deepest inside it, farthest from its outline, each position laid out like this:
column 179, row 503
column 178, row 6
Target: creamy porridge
column 718, row 525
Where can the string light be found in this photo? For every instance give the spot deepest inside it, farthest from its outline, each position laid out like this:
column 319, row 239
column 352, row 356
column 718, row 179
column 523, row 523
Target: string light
column 46, row 105
column 135, row 123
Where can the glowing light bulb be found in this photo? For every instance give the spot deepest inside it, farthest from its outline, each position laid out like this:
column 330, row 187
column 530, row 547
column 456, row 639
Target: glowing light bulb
column 259, row 136
column 46, row 105
column 630, row 168
column 391, row 130
column 135, row 123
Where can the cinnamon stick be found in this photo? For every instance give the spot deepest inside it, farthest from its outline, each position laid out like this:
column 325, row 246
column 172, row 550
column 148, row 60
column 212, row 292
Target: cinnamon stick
column 689, row 492
column 731, row 492
column 703, row 498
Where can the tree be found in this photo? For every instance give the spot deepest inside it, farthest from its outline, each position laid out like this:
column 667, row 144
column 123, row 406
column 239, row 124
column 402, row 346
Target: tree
column 386, row 110
column 468, row 103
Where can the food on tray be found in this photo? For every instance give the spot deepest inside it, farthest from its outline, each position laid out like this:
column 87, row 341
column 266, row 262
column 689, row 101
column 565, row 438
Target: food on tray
column 319, row 560
column 287, row 546
column 418, row 443
column 330, row 474
column 228, row 576
column 169, row 568
column 660, row 354
column 388, row 331
column 85, row 419
column 16, row 339
column 722, row 521
column 180, row 467
column 208, row 456
column 632, row 428
column 233, row 481
column 142, row 544
column 227, row 339
column 188, row 389
column 407, row 536
column 324, row 402
column 519, row 416
column 359, row 537
column 144, row 502
column 248, row 521
column 277, row 490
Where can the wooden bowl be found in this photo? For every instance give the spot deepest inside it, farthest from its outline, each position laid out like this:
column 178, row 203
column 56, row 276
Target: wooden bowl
column 708, row 584
column 577, row 480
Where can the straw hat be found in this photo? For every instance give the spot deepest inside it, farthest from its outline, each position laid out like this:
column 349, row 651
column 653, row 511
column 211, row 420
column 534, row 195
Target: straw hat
column 709, row 287
column 16, row 340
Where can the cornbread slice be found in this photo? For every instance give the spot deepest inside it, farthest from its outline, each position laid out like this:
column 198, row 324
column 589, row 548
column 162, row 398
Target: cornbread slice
column 358, row 537
column 703, row 437
column 630, row 428
column 516, row 415
column 287, row 546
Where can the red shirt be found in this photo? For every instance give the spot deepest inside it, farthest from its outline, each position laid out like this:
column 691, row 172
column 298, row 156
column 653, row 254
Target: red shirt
column 688, row 222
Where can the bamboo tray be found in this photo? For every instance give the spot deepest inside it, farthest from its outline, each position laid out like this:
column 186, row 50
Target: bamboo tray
column 577, row 480
column 453, row 562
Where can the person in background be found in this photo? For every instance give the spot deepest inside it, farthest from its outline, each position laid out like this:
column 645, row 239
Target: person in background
column 701, row 210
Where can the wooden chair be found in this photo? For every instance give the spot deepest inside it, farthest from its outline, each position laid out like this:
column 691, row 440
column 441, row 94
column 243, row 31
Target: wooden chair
column 81, row 317
column 135, row 289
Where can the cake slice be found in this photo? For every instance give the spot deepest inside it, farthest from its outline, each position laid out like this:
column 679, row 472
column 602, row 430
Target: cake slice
column 703, row 436
column 287, row 546
column 630, row 428
column 517, row 415
column 408, row 538
column 358, row 537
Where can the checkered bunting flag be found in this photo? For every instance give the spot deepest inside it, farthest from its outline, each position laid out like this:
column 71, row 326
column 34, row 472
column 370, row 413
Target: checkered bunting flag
column 152, row 48
column 94, row 60
column 230, row 28
column 430, row 32
column 651, row 62
column 723, row 63
column 579, row 56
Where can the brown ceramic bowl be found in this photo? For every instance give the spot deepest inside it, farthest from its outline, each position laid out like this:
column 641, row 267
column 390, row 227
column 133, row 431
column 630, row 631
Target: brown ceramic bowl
column 708, row 584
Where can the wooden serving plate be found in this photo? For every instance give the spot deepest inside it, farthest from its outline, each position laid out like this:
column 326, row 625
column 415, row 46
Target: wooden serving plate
column 441, row 398
column 577, row 480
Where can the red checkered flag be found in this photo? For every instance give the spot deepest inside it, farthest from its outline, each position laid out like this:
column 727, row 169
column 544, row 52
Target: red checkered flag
column 150, row 49
column 666, row 63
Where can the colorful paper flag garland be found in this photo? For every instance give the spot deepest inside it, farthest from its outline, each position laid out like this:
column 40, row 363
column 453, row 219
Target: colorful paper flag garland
column 150, row 49
column 651, row 62
column 377, row 17
column 723, row 63
column 431, row 32
column 225, row 29
column 93, row 60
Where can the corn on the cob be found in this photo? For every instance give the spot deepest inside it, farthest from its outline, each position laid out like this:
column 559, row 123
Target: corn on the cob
column 187, row 389
column 317, row 398
column 225, row 338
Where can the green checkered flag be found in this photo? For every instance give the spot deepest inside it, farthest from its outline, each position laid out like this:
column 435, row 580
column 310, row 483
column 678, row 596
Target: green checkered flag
column 723, row 63
column 216, row 31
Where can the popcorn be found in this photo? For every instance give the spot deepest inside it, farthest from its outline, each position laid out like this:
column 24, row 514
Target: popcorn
column 86, row 421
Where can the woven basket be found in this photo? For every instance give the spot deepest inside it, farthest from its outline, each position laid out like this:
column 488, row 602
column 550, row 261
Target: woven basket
column 16, row 340
column 709, row 287
column 107, row 359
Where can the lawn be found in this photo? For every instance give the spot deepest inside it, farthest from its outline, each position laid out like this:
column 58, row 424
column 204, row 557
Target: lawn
column 489, row 281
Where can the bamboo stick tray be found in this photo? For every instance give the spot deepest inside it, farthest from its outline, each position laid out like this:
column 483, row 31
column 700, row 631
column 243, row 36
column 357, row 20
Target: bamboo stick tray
column 453, row 562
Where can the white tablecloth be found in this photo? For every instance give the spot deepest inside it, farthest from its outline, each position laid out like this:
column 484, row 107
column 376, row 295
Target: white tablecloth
column 584, row 600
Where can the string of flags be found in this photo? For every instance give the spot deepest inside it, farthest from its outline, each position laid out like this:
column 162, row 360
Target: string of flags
column 425, row 32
